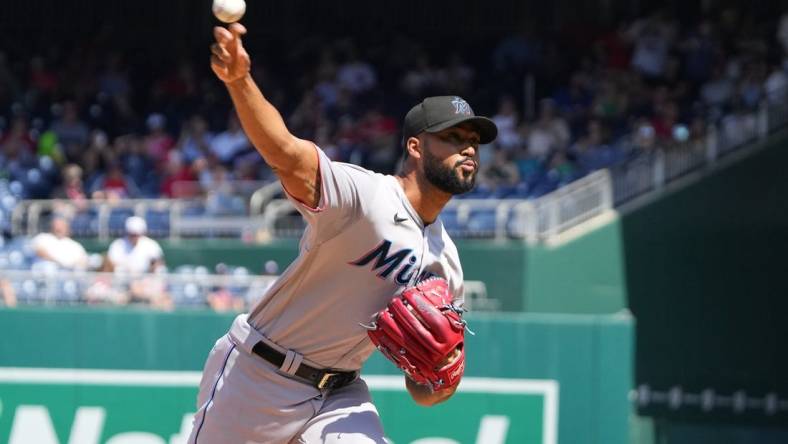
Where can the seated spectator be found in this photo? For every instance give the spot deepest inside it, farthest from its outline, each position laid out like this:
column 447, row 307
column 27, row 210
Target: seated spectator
column 7, row 294
column 499, row 172
column 220, row 199
column 17, row 148
column 139, row 256
column 195, row 139
column 507, row 119
column 157, row 143
column 58, row 248
column 72, row 133
column 549, row 133
column 72, row 188
column 179, row 179
column 221, row 298
column 114, row 184
column 592, row 152
column 231, row 142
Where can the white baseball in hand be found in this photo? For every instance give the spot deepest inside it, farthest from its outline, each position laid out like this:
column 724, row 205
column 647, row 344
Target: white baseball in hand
column 229, row 11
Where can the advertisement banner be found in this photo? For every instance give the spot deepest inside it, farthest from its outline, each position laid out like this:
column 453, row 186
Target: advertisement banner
column 82, row 406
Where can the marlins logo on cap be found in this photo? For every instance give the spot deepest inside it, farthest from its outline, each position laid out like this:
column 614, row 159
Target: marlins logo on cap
column 461, row 106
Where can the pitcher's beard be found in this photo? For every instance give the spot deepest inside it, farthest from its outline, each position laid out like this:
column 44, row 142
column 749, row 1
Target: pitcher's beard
column 448, row 179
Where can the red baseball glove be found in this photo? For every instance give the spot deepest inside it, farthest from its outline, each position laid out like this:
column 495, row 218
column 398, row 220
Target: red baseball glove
column 423, row 334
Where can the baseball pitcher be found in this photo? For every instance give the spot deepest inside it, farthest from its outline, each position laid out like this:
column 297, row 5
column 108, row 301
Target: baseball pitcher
column 376, row 269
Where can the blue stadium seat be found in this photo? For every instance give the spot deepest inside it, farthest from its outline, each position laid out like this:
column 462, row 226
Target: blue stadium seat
column 85, row 223
column 28, row 292
column 158, row 222
column 450, row 221
column 117, row 220
column 69, row 292
column 481, row 222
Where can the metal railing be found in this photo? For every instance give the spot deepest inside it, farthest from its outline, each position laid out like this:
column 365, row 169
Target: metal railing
column 554, row 213
column 651, row 171
column 49, row 286
column 192, row 289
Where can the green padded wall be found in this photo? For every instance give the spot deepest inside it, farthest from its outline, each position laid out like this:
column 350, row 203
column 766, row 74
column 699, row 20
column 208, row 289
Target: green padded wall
column 589, row 357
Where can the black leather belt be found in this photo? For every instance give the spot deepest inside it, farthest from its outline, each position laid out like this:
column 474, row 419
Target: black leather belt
column 321, row 378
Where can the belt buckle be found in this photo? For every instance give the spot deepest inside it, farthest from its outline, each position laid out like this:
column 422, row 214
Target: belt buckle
column 325, row 380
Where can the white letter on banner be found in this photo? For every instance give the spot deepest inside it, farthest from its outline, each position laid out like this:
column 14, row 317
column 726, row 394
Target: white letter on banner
column 136, row 438
column 493, row 429
column 186, row 430
column 87, row 425
column 434, row 441
column 32, row 424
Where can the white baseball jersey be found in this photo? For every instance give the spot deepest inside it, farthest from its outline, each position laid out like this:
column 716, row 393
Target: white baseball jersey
column 364, row 243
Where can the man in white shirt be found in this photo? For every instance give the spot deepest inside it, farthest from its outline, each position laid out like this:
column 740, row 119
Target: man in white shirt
column 136, row 254
column 58, row 248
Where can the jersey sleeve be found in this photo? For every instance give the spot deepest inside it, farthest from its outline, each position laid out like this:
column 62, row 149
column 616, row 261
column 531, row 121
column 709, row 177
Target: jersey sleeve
column 343, row 190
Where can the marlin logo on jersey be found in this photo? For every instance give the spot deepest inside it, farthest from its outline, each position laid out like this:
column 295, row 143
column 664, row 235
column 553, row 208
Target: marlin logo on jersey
column 461, row 106
column 386, row 261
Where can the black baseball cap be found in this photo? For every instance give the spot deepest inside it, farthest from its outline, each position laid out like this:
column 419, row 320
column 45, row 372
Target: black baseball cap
column 435, row 114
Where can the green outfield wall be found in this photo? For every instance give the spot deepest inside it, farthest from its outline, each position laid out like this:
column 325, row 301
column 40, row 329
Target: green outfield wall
column 530, row 378
column 582, row 275
column 706, row 281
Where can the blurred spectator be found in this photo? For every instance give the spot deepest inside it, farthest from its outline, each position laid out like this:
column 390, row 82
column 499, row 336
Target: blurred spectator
column 114, row 184
column 499, row 172
column 421, row 78
column 58, row 248
column 221, row 298
column 231, row 142
column 179, row 179
column 135, row 253
column 157, row 143
column 507, row 119
column 644, row 137
column 356, row 75
column 664, row 121
column 195, row 139
column 140, row 257
column 700, row 50
column 652, row 38
column 776, row 85
column 549, row 133
column 139, row 169
column 114, row 81
column 591, row 150
column 72, row 134
column 718, row 91
column 220, row 198
column 640, row 79
column 457, row 76
column 379, row 135
column 7, row 294
column 16, row 144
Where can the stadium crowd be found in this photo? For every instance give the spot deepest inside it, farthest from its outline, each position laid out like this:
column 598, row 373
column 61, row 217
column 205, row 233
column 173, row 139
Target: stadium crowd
column 88, row 122
column 82, row 121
